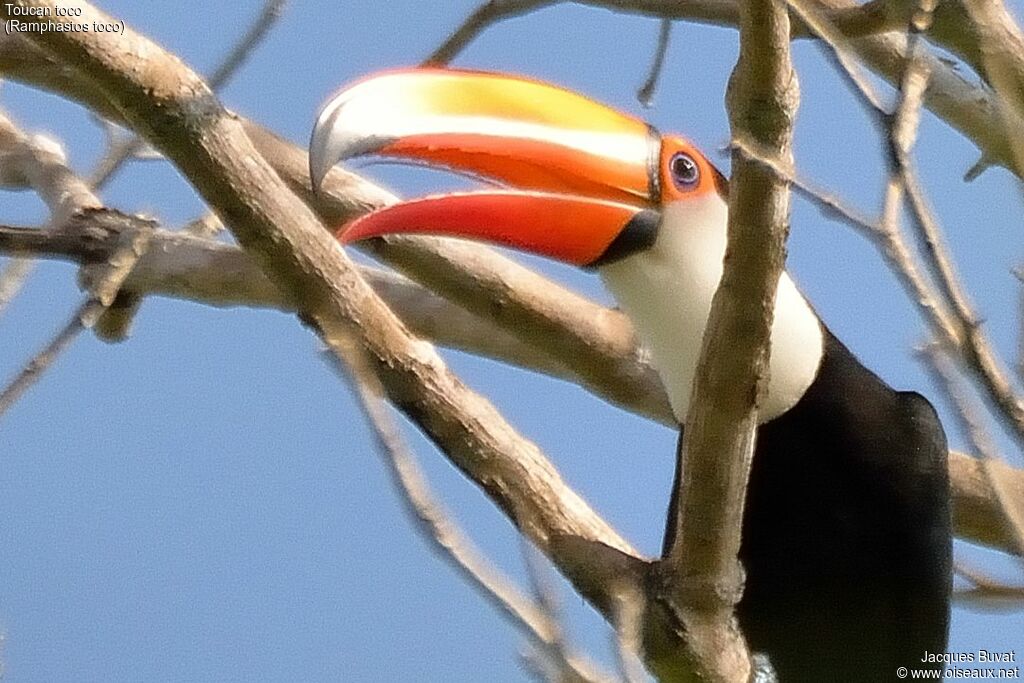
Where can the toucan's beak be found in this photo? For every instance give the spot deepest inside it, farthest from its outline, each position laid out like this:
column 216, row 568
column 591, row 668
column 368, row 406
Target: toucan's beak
column 578, row 172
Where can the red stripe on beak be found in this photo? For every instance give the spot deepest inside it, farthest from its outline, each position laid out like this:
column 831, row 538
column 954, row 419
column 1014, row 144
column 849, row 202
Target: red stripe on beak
column 572, row 229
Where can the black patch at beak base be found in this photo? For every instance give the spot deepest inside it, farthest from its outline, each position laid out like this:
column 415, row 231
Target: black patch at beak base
column 640, row 233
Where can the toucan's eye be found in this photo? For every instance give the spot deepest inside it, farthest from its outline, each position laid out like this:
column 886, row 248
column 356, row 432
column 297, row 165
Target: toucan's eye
column 684, row 170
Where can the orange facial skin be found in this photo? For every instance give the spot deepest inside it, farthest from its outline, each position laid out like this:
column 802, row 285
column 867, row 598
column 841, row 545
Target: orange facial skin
column 709, row 180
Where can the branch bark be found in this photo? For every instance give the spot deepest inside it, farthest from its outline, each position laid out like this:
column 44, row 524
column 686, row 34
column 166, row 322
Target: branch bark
column 721, row 425
column 216, row 274
column 183, row 266
column 971, row 110
column 178, row 114
column 592, row 339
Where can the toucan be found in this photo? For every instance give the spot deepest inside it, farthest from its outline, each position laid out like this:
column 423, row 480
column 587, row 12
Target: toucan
column 846, row 539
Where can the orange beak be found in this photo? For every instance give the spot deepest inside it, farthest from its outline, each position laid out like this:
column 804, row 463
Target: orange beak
column 583, row 179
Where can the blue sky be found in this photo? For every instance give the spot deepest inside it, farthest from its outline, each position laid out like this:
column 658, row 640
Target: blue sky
column 202, row 502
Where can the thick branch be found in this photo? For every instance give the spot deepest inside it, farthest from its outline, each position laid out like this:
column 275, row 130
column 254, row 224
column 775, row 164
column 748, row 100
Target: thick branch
column 183, row 266
column 177, row 113
column 216, row 274
column 599, row 342
column 721, row 425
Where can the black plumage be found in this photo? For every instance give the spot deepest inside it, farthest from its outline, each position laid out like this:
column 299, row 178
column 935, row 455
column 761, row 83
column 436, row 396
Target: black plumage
column 846, row 536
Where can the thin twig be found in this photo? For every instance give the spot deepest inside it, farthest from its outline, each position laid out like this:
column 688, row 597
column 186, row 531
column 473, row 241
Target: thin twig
column 545, row 594
column 959, row 327
column 1011, row 508
column 976, row 350
column 103, row 291
column 38, row 162
column 944, row 373
column 121, row 151
column 987, row 592
column 645, row 94
column 484, row 16
column 83, row 317
column 437, row 526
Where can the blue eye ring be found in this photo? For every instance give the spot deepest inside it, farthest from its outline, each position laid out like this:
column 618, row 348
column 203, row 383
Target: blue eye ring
column 684, row 170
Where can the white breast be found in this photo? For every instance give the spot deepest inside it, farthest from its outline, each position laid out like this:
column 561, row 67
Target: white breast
column 667, row 290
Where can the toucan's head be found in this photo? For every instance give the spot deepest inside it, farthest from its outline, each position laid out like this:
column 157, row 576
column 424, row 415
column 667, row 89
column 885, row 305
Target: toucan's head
column 585, row 184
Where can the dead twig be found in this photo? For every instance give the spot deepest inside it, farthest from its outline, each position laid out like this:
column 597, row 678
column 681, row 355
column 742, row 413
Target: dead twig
column 645, row 94
column 986, row 592
column 437, row 526
column 120, row 151
column 484, row 16
column 955, row 322
column 103, row 293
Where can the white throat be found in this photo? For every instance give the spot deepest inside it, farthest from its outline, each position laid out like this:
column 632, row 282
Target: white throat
column 666, row 291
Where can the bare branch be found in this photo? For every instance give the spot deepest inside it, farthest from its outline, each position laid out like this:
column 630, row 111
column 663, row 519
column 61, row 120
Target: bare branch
column 718, row 444
column 181, row 266
column 45, row 357
column 484, row 16
column 976, row 351
column 978, row 515
column 556, row 652
column 179, row 115
column 645, row 94
column 943, row 371
column 103, row 292
column 1000, row 58
column 119, row 152
column 218, row 274
column 38, row 162
column 987, row 592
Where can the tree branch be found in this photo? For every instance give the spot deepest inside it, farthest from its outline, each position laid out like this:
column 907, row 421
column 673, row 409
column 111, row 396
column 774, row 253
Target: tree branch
column 183, row 266
column 1000, row 59
column 971, row 110
column 180, row 116
column 718, row 443
column 216, row 274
